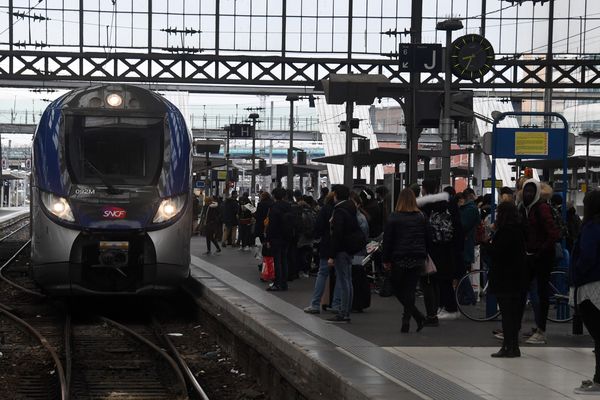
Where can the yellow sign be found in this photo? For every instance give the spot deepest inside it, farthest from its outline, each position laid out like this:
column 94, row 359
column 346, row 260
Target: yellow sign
column 487, row 183
column 221, row 175
column 531, row 143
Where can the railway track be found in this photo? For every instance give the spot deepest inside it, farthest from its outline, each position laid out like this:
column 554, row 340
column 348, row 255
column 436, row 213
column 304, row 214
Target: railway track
column 74, row 355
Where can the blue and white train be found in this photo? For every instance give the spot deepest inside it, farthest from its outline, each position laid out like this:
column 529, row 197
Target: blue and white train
column 111, row 193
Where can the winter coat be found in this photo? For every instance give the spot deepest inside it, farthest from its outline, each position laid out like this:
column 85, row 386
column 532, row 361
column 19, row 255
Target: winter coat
column 542, row 233
column 213, row 216
column 585, row 263
column 262, row 209
column 469, row 218
column 231, row 211
column 343, row 219
column 447, row 257
column 374, row 217
column 508, row 272
column 405, row 235
column 277, row 226
column 322, row 230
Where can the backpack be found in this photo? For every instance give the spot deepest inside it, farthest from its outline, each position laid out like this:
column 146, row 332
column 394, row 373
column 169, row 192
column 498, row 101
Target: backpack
column 559, row 222
column 309, row 220
column 441, row 226
column 355, row 239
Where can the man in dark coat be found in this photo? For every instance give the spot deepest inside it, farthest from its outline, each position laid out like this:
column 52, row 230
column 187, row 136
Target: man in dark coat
column 445, row 251
column 231, row 211
column 542, row 234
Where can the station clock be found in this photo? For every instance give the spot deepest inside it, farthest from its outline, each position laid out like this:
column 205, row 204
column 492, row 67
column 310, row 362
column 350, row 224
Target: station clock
column 471, row 56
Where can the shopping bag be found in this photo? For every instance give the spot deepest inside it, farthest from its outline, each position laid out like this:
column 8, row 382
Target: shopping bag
column 429, row 268
column 267, row 274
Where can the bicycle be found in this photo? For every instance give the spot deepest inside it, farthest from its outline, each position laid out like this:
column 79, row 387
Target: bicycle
column 476, row 310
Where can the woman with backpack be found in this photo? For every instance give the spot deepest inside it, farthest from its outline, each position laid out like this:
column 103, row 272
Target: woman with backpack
column 405, row 242
column 585, row 276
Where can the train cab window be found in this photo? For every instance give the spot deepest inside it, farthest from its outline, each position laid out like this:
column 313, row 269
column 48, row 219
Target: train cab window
column 114, row 150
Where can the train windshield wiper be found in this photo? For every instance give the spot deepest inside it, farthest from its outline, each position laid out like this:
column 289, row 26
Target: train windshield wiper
column 111, row 189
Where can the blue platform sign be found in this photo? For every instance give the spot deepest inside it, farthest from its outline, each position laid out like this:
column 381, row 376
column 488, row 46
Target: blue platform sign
column 527, row 143
column 199, row 184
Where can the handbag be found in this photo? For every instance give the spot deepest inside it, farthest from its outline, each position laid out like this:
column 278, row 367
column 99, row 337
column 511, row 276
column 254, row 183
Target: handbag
column 429, row 267
column 267, row 274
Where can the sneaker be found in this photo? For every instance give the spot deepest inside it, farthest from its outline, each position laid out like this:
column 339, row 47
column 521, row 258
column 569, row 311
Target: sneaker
column 218, row 251
column 303, row 274
column 448, row 315
column 588, row 387
column 310, row 310
column 431, row 321
column 530, row 333
column 273, row 288
column 537, row 338
column 499, row 335
column 338, row 319
column 206, row 253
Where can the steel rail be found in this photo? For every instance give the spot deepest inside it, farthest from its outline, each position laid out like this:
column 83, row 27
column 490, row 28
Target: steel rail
column 177, row 356
column 59, row 367
column 13, row 284
column 168, row 358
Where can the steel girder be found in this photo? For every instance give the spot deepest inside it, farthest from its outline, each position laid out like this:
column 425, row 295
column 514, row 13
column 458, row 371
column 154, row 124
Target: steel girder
column 275, row 71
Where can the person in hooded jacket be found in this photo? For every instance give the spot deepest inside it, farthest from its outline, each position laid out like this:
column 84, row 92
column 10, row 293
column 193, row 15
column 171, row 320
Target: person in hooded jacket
column 213, row 223
column 262, row 210
column 541, row 236
column 585, row 276
column 438, row 288
column 508, row 275
column 405, row 242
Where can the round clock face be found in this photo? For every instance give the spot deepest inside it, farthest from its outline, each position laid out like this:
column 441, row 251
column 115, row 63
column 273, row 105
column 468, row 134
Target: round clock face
column 471, row 56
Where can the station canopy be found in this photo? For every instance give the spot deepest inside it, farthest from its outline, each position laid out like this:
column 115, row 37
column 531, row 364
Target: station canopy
column 383, row 156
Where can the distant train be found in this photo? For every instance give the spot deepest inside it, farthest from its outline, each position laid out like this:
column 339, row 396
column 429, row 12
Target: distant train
column 111, row 193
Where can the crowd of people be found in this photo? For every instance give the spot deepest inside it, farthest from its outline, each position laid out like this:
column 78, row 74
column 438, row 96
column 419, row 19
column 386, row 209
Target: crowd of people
column 429, row 242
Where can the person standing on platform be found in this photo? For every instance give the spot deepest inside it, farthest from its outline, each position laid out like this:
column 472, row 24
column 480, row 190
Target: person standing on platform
column 245, row 235
column 445, row 251
column 231, row 212
column 542, row 234
column 585, row 276
column 262, row 209
column 469, row 219
column 508, row 275
column 322, row 232
column 276, row 239
column 347, row 239
column 324, row 192
column 213, row 223
column 404, row 252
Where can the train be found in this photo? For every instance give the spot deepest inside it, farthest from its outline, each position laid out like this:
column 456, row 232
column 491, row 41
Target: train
column 111, row 193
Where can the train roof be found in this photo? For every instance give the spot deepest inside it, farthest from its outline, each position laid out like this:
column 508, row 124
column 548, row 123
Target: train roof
column 112, row 97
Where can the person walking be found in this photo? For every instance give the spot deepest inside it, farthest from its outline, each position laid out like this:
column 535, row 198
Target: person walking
column 213, row 223
column 405, row 240
column 541, row 236
column 585, row 276
column 347, row 239
column 508, row 275
column 276, row 239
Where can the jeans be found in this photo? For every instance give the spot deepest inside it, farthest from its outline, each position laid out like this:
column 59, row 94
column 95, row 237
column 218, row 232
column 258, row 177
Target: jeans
column 447, row 295
column 244, row 236
column 431, row 294
column 280, row 258
column 322, row 275
column 539, row 269
column 229, row 235
column 343, row 271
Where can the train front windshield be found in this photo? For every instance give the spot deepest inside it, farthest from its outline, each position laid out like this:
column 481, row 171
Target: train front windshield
column 114, row 150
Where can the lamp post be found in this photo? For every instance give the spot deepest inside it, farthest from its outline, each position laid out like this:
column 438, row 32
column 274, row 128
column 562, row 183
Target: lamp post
column 254, row 117
column 290, row 155
column 446, row 124
column 588, row 135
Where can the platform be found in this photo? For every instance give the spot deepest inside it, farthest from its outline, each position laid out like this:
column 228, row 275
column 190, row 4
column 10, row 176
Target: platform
column 373, row 360
column 8, row 215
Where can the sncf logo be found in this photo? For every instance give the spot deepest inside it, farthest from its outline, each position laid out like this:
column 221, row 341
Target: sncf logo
column 114, row 213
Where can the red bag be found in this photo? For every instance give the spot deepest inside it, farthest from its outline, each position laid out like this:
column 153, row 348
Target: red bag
column 267, row 274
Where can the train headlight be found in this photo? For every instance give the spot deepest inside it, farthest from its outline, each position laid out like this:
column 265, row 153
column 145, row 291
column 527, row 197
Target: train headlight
column 114, row 100
column 169, row 208
column 57, row 206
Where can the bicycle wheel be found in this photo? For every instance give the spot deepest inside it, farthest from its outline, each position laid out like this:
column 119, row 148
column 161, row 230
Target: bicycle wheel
column 560, row 310
column 472, row 299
